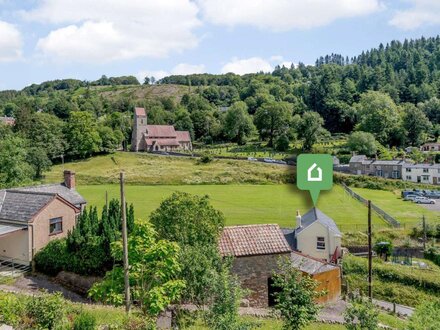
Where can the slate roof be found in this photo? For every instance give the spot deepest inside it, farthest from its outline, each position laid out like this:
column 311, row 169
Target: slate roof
column 315, row 215
column 429, row 166
column 70, row 195
column 240, row 241
column 357, row 158
column 389, row 162
column 140, row 112
column 310, row 265
column 22, row 205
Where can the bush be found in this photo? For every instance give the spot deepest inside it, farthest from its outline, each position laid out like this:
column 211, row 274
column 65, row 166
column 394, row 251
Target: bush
column 47, row 311
column 84, row 321
column 53, row 258
column 205, row 159
column 12, row 310
column 426, row 317
column 361, row 314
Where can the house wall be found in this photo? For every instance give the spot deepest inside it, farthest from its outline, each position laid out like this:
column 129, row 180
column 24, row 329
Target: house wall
column 416, row 173
column 41, row 223
column 330, row 282
column 15, row 245
column 307, row 241
column 254, row 273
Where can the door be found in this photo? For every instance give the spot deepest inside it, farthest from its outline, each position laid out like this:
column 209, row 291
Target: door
column 419, row 179
column 271, row 290
column 435, row 180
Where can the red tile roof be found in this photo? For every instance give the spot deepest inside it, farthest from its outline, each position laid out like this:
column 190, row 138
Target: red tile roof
column 161, row 131
column 183, row 136
column 140, row 112
column 251, row 240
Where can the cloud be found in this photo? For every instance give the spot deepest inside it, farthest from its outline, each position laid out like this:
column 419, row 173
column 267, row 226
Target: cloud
column 10, row 42
column 422, row 12
column 108, row 30
column 179, row 69
column 247, row 65
column 284, row 15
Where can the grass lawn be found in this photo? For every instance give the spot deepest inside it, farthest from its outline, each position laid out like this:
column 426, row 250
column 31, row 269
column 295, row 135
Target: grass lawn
column 405, row 212
column 243, row 204
column 142, row 168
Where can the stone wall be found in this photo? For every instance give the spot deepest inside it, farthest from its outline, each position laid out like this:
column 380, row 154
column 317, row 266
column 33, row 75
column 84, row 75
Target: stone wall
column 254, row 273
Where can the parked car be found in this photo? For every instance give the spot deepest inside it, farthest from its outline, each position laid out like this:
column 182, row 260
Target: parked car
column 433, row 194
column 282, row 162
column 252, row 159
column 423, row 200
column 410, row 197
column 268, row 160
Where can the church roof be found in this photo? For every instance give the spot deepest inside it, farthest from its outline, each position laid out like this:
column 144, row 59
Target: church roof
column 140, row 112
column 162, row 142
column 161, row 131
column 183, row 136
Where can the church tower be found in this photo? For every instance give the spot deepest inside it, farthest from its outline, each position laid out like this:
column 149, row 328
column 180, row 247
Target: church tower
column 139, row 128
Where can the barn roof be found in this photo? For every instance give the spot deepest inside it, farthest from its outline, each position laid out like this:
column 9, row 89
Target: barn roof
column 161, row 131
column 310, row 265
column 239, row 241
column 140, row 112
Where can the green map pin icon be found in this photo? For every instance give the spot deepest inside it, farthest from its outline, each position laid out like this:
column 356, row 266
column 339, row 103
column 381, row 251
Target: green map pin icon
column 314, row 172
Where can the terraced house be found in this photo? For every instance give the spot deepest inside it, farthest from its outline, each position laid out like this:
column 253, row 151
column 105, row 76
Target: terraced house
column 422, row 173
column 390, row 169
column 30, row 217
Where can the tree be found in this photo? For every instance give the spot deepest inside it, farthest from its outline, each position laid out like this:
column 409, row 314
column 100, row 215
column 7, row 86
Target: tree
column 37, row 158
column 361, row 314
column 282, row 143
column 378, row 115
column 188, row 220
column 82, row 134
column 432, row 109
column 238, row 124
column 309, row 129
column 183, row 122
column 14, row 168
column 153, row 279
column 295, row 298
column 416, row 125
column 147, row 80
column 273, row 119
column 426, row 316
column 383, row 248
column 362, row 143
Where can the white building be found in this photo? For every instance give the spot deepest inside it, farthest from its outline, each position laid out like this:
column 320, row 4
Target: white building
column 431, row 146
column 422, row 173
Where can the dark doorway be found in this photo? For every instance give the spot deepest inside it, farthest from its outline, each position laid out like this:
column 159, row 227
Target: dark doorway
column 271, row 290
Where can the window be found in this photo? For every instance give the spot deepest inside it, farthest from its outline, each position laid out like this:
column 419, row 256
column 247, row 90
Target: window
column 407, row 169
column 408, row 177
column 425, row 170
column 55, row 226
column 425, row 177
column 395, row 174
column 320, row 243
column 379, row 173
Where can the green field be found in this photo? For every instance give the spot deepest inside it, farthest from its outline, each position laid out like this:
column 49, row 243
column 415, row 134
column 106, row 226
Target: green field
column 244, row 204
column 404, row 211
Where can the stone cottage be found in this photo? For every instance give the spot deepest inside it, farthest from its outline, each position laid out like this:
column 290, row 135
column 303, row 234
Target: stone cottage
column 256, row 250
column 30, row 217
column 391, row 169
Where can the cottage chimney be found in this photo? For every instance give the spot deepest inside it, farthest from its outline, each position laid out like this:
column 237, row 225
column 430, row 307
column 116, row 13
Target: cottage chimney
column 298, row 219
column 69, row 179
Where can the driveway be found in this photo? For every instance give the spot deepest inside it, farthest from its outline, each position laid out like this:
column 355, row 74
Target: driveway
column 432, row 207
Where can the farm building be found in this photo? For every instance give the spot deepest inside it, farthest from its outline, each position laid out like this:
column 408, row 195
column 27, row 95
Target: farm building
column 256, row 250
column 30, row 217
column 157, row 137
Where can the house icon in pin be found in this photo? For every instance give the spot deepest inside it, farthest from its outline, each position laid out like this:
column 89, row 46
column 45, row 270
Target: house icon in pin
column 311, row 177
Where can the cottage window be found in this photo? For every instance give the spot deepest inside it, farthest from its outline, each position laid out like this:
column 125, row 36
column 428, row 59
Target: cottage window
column 395, row 174
column 320, row 243
column 408, row 177
column 55, row 226
column 408, row 169
column 425, row 170
column 425, row 177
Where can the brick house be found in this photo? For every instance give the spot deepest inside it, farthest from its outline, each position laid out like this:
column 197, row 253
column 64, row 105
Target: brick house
column 256, row 249
column 30, row 217
column 157, row 137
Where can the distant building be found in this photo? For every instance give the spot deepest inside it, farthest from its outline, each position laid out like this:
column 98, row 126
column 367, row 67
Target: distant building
column 422, row 173
column 431, row 146
column 7, row 120
column 361, row 165
column 157, row 137
column 256, row 250
column 30, row 217
column 315, row 235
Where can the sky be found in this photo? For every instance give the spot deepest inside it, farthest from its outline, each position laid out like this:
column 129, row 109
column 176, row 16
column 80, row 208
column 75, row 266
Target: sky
column 44, row 40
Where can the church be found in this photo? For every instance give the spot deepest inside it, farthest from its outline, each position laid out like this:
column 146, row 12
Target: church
column 153, row 138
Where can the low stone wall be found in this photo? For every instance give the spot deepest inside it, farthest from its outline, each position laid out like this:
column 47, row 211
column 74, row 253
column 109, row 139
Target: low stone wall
column 76, row 283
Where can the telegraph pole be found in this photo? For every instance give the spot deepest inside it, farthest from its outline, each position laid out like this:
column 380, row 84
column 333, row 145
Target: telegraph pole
column 370, row 255
column 125, row 245
column 424, row 233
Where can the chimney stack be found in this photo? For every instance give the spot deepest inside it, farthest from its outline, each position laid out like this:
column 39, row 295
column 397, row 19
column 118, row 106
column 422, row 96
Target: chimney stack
column 298, row 219
column 69, row 179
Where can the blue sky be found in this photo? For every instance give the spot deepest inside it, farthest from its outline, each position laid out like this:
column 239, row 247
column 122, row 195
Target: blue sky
column 53, row 39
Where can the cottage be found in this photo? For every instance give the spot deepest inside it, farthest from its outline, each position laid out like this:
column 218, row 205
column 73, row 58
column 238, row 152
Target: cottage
column 431, row 146
column 7, row 120
column 315, row 235
column 30, row 217
column 256, row 250
column 157, row 137
column 422, row 173
column 361, row 165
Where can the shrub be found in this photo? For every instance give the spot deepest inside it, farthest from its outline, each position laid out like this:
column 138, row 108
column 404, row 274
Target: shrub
column 84, row 321
column 205, row 159
column 12, row 310
column 361, row 315
column 47, row 311
column 426, row 317
column 53, row 258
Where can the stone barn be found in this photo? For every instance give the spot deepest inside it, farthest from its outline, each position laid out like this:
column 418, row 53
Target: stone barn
column 256, row 250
